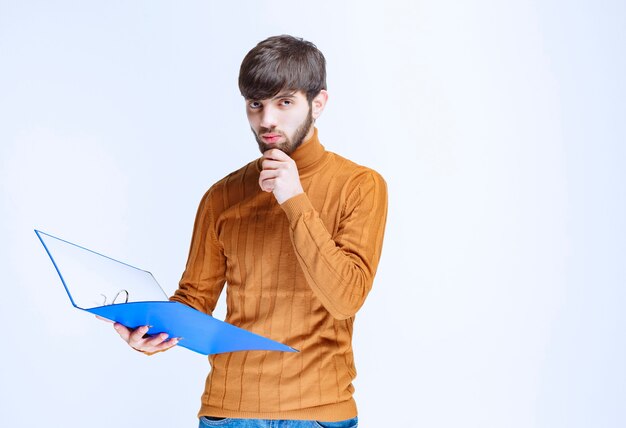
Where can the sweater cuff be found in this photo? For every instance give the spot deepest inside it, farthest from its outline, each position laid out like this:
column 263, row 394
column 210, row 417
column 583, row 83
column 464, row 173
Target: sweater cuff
column 296, row 206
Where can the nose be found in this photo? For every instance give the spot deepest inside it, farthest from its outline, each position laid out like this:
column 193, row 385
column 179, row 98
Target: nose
column 268, row 118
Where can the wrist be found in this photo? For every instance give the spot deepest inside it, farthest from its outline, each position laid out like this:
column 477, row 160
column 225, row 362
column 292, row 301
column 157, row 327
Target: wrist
column 285, row 198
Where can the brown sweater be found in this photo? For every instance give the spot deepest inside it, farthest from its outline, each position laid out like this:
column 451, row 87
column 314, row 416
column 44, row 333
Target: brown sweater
column 296, row 273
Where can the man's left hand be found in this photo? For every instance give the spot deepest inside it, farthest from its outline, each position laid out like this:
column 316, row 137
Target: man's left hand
column 280, row 175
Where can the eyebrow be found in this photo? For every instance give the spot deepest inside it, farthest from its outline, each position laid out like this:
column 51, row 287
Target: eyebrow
column 284, row 95
column 276, row 97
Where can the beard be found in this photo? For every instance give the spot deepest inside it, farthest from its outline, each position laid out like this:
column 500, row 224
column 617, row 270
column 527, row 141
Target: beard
column 290, row 144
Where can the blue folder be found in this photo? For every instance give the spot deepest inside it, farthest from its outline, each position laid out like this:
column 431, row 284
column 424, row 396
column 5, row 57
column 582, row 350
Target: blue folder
column 130, row 296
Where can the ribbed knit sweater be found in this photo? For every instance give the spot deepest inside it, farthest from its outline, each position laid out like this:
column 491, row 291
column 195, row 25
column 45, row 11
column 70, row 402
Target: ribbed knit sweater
column 296, row 273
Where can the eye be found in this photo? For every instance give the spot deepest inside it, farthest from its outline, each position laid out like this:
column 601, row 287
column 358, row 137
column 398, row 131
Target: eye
column 286, row 102
column 254, row 105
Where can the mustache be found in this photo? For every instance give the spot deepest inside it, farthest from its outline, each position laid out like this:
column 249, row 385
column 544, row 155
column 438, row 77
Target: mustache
column 270, row 131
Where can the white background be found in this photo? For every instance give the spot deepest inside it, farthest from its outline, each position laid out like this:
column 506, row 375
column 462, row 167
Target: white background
column 499, row 126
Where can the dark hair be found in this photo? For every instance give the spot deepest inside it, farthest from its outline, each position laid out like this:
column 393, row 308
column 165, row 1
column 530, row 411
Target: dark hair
column 282, row 63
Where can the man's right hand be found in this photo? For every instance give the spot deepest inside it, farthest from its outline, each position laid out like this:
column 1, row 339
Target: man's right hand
column 138, row 340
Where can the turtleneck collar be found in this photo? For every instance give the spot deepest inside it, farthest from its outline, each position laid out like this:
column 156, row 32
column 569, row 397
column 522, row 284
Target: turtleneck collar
column 308, row 157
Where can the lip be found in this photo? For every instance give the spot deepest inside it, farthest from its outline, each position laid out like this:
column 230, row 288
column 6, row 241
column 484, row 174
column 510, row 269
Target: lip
column 271, row 138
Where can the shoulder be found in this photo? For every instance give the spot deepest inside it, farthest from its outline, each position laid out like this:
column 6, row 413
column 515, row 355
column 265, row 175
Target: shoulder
column 233, row 185
column 250, row 170
column 361, row 187
column 354, row 174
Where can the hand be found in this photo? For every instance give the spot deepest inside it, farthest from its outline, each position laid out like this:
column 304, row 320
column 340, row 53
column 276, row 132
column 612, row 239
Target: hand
column 138, row 340
column 280, row 175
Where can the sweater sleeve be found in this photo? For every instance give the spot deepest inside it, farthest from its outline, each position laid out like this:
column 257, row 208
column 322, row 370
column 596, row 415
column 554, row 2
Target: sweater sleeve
column 340, row 269
column 204, row 276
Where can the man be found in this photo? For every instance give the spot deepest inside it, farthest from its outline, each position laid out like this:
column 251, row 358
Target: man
column 297, row 236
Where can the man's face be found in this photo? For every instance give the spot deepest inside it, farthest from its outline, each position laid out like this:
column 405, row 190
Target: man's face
column 282, row 122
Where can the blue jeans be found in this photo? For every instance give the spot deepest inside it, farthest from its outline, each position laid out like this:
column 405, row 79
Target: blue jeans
column 267, row 423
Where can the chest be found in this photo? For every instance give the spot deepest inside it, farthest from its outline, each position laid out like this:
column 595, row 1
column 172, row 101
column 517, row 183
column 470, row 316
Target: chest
column 255, row 237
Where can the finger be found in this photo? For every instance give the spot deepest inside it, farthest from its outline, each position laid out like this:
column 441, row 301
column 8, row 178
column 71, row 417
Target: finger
column 136, row 337
column 154, row 341
column 269, row 173
column 162, row 346
column 276, row 154
column 271, row 164
column 167, row 344
column 268, row 185
column 267, row 180
column 122, row 331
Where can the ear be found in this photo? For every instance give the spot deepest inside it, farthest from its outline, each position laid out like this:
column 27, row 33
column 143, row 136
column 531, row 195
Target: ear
column 318, row 103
